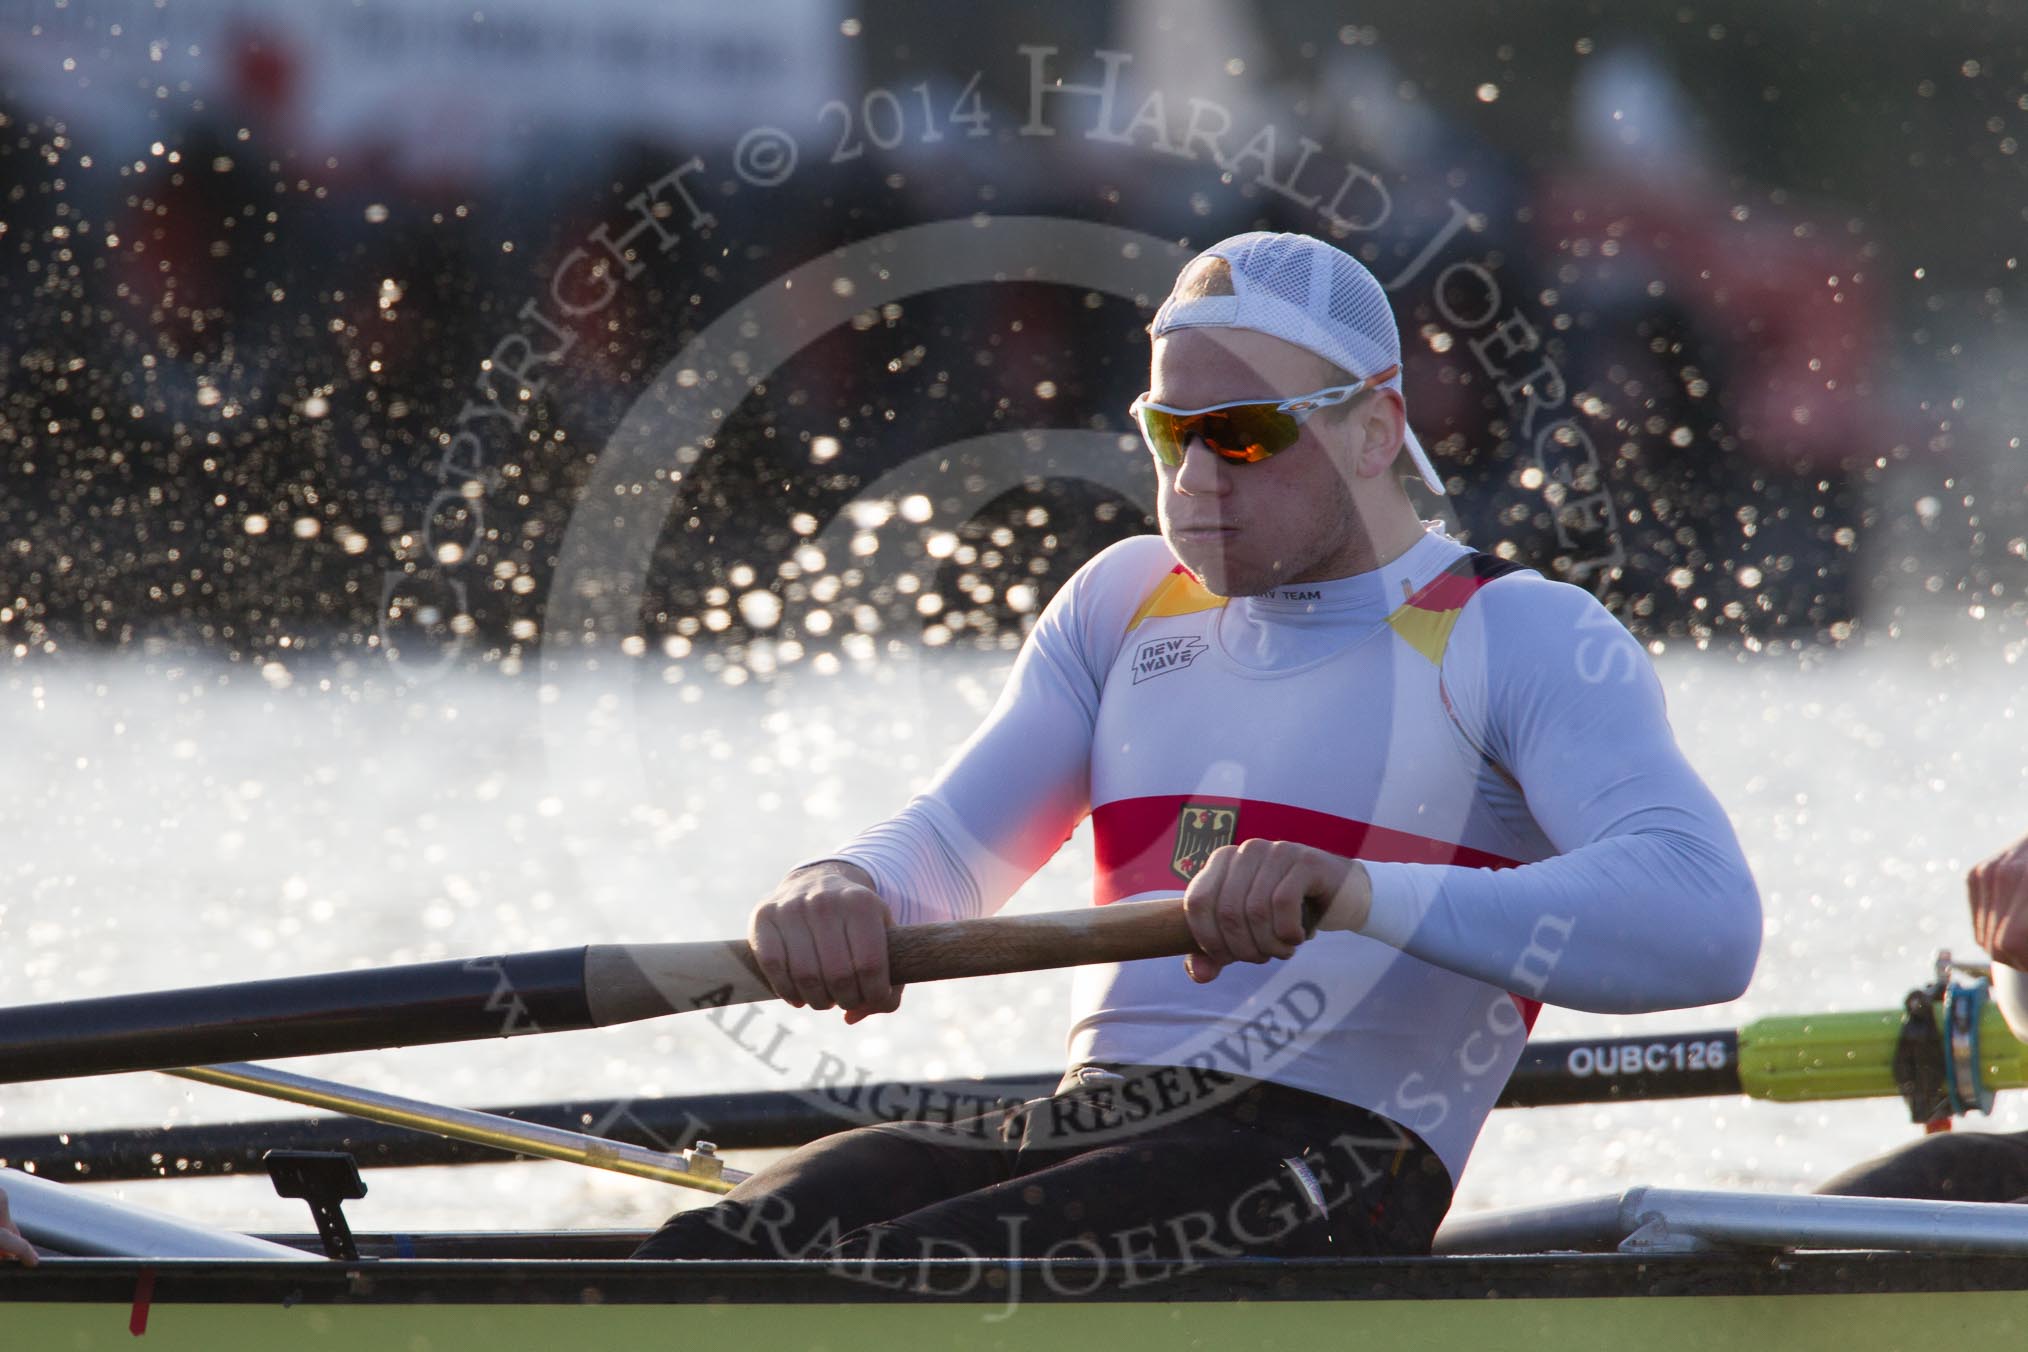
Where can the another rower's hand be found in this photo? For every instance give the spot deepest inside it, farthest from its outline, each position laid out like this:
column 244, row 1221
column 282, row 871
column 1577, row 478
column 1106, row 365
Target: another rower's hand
column 1247, row 903
column 1998, row 888
column 821, row 940
column 12, row 1245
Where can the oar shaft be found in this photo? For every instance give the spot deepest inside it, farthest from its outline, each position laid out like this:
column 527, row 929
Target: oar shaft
column 452, row 1001
column 521, row 993
column 1818, row 1057
column 1625, row 1069
column 1785, row 1058
column 1590, row 1070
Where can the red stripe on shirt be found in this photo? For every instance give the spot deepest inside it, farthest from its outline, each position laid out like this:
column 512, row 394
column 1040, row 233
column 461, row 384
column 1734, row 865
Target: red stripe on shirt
column 1446, row 591
column 1134, row 844
column 1135, row 840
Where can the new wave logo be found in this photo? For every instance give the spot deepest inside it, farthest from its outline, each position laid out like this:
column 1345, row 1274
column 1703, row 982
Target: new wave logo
column 1161, row 655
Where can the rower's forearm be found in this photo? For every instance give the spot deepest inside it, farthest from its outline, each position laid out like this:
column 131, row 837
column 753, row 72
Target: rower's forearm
column 1631, row 924
column 907, row 862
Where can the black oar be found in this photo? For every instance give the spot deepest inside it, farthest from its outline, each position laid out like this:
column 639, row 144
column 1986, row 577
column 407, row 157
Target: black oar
column 1597, row 1070
column 1792, row 1058
column 522, row 993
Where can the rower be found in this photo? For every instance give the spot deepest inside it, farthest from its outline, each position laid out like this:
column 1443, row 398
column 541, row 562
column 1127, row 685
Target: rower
column 1299, row 700
column 1970, row 1166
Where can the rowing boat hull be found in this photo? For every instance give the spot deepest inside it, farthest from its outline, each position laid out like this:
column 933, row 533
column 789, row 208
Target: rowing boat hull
column 1669, row 1303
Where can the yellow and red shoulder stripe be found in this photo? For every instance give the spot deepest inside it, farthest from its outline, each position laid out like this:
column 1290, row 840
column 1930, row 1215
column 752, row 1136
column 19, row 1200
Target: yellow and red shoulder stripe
column 1178, row 593
column 1425, row 620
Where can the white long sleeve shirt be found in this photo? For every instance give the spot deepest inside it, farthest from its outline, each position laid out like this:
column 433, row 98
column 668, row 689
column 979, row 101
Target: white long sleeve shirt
column 1491, row 744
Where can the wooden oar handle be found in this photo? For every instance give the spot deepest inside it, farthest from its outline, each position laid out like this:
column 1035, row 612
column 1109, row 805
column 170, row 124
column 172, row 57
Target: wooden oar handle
column 1121, row 932
column 625, row 982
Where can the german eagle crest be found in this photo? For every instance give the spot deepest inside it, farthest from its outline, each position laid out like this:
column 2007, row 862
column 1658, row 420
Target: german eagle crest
column 1200, row 829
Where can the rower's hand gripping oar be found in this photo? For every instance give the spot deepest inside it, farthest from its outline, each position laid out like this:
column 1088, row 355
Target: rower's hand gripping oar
column 521, row 993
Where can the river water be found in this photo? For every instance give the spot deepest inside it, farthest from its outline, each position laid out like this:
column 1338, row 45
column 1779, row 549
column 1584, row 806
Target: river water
column 173, row 820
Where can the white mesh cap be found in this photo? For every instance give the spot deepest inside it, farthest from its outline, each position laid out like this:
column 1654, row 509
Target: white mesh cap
column 1304, row 291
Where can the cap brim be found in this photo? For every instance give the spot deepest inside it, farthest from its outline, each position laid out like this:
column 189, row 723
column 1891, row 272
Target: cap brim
column 1430, row 478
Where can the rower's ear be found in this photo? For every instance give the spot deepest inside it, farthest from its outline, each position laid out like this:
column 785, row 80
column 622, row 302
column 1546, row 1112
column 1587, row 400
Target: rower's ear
column 1378, row 421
